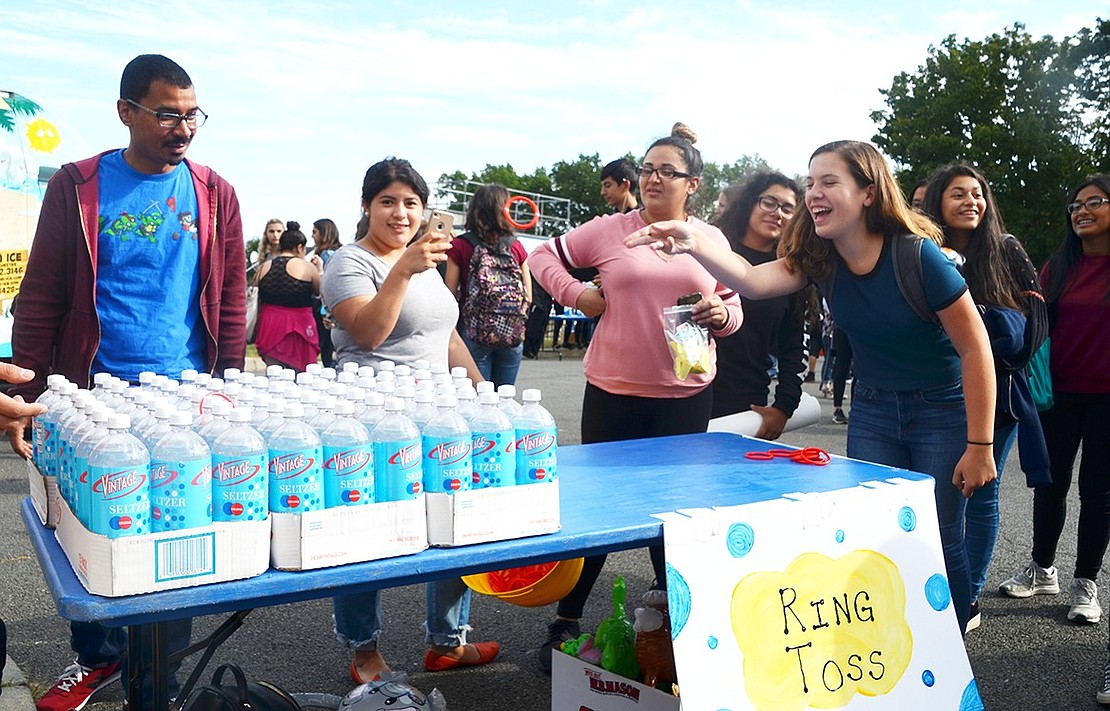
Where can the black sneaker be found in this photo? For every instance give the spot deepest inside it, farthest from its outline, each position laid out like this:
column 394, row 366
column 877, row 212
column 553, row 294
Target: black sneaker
column 974, row 619
column 558, row 632
column 839, row 418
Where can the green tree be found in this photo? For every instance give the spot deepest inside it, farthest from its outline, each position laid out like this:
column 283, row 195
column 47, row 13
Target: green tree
column 715, row 177
column 579, row 181
column 1003, row 104
column 1087, row 55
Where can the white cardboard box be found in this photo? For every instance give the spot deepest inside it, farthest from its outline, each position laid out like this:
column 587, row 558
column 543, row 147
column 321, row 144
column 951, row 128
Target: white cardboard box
column 579, row 686
column 162, row 561
column 348, row 534
column 494, row 514
column 44, row 494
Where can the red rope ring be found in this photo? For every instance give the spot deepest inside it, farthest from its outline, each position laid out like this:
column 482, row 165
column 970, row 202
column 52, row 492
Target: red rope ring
column 531, row 204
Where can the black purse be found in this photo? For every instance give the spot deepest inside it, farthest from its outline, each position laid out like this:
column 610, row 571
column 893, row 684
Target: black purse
column 238, row 694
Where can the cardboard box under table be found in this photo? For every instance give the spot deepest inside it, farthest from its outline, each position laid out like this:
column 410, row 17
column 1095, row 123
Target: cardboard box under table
column 608, row 493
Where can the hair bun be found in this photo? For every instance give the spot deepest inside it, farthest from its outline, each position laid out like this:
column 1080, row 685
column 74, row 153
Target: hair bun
column 292, row 225
column 681, row 130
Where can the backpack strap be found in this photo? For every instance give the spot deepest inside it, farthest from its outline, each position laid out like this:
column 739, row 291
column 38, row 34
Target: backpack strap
column 906, row 258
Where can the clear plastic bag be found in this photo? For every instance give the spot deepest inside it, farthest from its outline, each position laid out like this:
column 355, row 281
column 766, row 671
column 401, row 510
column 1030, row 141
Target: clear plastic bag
column 689, row 342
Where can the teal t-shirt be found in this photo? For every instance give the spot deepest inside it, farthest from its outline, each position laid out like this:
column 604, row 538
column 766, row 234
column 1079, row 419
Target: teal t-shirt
column 147, row 272
column 892, row 347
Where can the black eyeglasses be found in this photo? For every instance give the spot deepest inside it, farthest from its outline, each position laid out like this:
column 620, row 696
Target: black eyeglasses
column 769, row 204
column 666, row 172
column 168, row 119
column 1091, row 204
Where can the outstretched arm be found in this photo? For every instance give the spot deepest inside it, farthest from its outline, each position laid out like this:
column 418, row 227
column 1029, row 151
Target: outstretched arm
column 755, row 282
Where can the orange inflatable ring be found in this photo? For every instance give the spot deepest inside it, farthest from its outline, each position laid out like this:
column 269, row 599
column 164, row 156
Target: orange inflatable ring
column 530, row 203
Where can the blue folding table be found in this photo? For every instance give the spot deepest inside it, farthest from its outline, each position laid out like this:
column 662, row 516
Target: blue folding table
column 608, row 493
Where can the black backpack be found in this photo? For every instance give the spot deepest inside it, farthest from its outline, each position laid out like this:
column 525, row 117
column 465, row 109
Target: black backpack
column 238, row 694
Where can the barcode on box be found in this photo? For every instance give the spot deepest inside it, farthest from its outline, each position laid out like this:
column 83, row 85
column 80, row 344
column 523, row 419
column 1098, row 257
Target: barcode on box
column 185, row 557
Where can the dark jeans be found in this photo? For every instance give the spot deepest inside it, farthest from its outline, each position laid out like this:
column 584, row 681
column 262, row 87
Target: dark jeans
column 612, row 418
column 97, row 645
column 1075, row 418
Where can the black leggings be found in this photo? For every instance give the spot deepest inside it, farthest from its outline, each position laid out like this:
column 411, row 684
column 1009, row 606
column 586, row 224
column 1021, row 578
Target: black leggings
column 1075, row 418
column 612, row 418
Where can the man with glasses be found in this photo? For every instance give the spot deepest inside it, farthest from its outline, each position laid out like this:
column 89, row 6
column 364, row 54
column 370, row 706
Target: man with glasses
column 137, row 264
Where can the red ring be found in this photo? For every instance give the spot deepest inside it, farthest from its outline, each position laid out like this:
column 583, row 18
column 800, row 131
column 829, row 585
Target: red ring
column 527, row 201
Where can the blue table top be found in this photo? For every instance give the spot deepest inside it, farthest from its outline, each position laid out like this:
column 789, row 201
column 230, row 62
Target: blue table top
column 608, row 492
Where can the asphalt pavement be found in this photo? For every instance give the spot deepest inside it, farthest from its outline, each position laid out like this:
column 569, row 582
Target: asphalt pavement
column 1026, row 655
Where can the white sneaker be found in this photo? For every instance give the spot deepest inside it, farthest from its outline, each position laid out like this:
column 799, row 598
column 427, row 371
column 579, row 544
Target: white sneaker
column 1084, row 602
column 1032, row 580
column 1103, row 695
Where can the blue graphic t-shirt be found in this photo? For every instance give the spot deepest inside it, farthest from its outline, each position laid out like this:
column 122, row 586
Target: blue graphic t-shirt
column 147, row 272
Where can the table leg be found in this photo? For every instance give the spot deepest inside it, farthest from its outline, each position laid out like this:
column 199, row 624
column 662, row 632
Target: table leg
column 143, row 642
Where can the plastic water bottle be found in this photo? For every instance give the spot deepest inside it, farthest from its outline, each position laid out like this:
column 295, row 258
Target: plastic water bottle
column 446, row 443
column 296, row 480
column 180, row 478
column 119, row 474
column 82, row 487
column 508, row 403
column 239, row 472
column 275, row 417
column 78, row 432
column 67, row 423
column 159, row 426
column 397, row 472
column 492, row 453
column 423, row 408
column 50, row 433
column 217, row 422
column 373, row 410
column 348, row 460
column 537, row 441
column 50, row 399
column 325, row 414
column 468, row 403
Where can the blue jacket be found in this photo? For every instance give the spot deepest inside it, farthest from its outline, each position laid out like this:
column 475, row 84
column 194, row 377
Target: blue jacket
column 1011, row 347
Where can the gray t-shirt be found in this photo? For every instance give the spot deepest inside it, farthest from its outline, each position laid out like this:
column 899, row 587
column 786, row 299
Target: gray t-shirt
column 429, row 311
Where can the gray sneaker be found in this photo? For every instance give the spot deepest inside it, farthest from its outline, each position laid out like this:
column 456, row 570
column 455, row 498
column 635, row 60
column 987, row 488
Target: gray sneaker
column 1032, row 580
column 1084, row 602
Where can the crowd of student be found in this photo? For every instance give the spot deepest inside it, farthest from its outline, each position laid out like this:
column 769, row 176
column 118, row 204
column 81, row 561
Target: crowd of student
column 940, row 368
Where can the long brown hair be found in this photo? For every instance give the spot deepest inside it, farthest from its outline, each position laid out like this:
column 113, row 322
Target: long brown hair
column 328, row 235
column 987, row 268
column 888, row 214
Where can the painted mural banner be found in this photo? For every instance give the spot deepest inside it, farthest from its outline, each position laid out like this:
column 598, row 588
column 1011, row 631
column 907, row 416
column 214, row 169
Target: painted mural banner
column 29, row 143
column 834, row 600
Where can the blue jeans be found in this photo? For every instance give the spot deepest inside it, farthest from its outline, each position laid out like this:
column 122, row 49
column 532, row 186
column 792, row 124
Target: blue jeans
column 498, row 365
column 97, row 646
column 358, row 617
column 923, row 431
column 981, row 518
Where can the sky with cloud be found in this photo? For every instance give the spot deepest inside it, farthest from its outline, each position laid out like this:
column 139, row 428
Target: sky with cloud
column 304, row 96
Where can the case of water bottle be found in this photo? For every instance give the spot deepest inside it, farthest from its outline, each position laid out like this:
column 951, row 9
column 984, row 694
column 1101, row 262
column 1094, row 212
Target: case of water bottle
column 115, row 567
column 498, row 514
column 347, row 534
column 44, row 494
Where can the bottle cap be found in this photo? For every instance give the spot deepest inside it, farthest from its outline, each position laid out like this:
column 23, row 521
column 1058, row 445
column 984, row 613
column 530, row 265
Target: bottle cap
column 180, row 418
column 531, row 395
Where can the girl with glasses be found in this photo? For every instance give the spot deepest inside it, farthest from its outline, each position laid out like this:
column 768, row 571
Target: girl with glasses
column 1003, row 283
column 912, row 376
column 632, row 390
column 754, row 218
column 1076, row 281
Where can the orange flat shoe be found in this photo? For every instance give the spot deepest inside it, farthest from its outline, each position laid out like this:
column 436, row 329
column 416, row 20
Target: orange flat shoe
column 487, row 652
column 357, row 678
